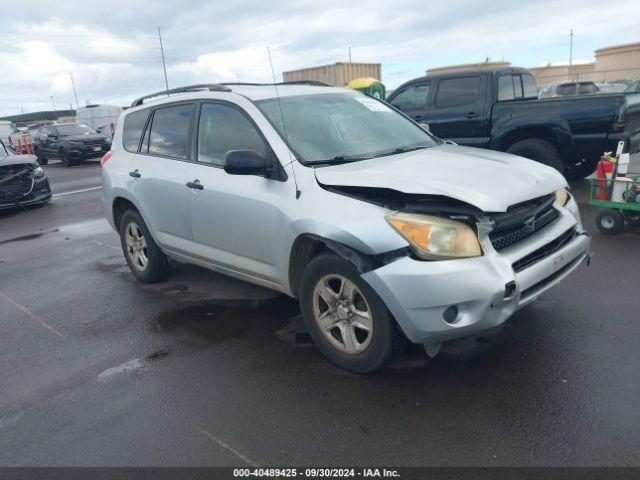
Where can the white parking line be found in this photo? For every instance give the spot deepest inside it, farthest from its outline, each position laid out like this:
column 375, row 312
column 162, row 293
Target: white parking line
column 90, row 189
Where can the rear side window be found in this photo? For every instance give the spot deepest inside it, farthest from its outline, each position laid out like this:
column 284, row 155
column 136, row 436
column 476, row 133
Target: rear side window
column 413, row 97
column 223, row 128
column 169, row 135
column 530, row 87
column 456, row 92
column 132, row 129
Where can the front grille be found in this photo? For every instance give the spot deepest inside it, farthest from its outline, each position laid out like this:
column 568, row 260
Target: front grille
column 521, row 221
column 14, row 182
column 544, row 251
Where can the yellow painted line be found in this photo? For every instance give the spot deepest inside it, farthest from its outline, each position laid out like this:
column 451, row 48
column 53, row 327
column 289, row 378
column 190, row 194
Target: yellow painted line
column 221, row 443
column 31, row 315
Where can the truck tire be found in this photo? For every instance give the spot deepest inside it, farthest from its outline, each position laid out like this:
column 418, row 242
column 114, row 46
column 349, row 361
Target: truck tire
column 539, row 150
column 145, row 259
column 353, row 328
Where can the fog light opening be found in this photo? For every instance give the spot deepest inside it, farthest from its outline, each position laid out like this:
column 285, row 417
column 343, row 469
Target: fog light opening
column 450, row 315
column 509, row 290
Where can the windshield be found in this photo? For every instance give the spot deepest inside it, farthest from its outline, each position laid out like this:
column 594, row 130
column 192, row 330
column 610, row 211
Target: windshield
column 72, row 129
column 340, row 127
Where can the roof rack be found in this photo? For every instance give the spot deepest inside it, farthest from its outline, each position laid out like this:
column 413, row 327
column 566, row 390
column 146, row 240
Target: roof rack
column 293, row 82
column 212, row 87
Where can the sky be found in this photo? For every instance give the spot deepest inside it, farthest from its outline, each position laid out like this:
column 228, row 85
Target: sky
column 112, row 49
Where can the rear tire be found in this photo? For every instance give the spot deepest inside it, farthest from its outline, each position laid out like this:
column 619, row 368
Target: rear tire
column 610, row 221
column 145, row 259
column 540, row 151
column 340, row 330
column 632, row 218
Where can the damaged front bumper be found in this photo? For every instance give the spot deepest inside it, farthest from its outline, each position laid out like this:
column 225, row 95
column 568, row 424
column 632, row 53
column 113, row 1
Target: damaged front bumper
column 479, row 293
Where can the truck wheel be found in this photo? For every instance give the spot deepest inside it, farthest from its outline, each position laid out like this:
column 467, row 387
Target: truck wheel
column 632, row 218
column 346, row 319
column 65, row 157
column 42, row 159
column 610, row 221
column 538, row 150
column 145, row 259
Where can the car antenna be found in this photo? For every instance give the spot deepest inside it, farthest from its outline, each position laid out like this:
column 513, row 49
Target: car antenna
column 284, row 127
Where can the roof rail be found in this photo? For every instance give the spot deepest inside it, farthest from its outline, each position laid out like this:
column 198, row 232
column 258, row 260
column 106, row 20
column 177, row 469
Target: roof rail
column 293, row 82
column 212, row 87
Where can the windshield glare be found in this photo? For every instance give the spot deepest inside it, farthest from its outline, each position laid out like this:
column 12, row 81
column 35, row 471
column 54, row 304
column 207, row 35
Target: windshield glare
column 65, row 130
column 341, row 126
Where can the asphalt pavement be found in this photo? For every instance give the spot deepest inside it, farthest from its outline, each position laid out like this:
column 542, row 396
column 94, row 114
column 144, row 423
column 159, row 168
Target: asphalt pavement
column 202, row 370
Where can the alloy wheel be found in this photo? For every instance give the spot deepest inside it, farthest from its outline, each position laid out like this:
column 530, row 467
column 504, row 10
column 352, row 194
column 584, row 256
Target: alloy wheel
column 136, row 246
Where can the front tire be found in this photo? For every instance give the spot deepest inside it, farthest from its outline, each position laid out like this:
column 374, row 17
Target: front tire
column 145, row 259
column 344, row 316
column 610, row 221
column 631, row 217
column 540, row 151
column 65, row 157
column 42, row 158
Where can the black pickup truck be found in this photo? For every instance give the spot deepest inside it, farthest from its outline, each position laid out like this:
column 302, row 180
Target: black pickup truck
column 499, row 109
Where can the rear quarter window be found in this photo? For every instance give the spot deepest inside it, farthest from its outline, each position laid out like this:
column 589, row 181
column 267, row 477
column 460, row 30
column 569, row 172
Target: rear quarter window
column 132, row 129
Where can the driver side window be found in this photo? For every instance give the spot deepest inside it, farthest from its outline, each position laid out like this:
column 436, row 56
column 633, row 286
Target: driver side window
column 223, row 128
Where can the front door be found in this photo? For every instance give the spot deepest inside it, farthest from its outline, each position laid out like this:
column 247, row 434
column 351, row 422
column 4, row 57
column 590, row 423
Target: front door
column 457, row 111
column 234, row 218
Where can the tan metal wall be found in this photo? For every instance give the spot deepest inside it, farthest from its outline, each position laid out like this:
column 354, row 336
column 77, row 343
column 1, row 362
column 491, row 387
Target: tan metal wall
column 338, row 74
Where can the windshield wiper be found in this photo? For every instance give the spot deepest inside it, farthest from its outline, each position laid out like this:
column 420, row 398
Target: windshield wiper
column 338, row 159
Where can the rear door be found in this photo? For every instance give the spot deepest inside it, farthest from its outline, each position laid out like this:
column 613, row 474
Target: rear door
column 458, row 110
column 412, row 100
column 160, row 171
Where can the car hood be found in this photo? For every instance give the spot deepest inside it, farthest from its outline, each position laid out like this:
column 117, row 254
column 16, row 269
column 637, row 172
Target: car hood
column 84, row 138
column 17, row 160
column 491, row 181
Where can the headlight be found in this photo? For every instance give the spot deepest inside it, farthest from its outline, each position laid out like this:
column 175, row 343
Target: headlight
column 436, row 238
column 37, row 172
column 562, row 196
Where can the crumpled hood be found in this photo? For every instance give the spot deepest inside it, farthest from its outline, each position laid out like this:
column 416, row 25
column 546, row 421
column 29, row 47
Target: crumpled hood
column 17, row 159
column 491, row 181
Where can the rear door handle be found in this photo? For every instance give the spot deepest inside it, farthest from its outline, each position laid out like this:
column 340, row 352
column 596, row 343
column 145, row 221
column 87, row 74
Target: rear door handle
column 135, row 174
column 196, row 185
column 472, row 115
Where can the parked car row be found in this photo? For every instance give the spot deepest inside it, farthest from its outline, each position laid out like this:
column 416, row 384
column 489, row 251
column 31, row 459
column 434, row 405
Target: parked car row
column 499, row 109
column 382, row 231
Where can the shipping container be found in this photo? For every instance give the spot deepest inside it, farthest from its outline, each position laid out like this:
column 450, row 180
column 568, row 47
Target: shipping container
column 337, row 74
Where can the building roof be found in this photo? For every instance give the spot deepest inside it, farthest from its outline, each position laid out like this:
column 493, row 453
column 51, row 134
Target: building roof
column 43, row 115
column 625, row 47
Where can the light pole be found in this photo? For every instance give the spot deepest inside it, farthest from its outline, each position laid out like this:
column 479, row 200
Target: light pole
column 53, row 102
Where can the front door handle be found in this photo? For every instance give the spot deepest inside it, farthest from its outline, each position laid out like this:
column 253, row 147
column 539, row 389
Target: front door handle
column 196, row 185
column 135, row 174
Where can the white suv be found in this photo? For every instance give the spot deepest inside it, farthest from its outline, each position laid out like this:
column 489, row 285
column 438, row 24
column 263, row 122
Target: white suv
column 378, row 228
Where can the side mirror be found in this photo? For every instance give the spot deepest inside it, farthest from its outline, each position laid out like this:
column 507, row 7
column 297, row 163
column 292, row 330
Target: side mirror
column 247, row 162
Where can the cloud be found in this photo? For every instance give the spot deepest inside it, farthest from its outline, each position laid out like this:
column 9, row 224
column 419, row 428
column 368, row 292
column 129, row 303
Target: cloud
column 113, row 51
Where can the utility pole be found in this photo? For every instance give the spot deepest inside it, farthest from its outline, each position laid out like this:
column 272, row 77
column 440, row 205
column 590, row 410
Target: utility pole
column 75, row 93
column 53, row 102
column 349, row 53
column 571, row 47
column 164, row 65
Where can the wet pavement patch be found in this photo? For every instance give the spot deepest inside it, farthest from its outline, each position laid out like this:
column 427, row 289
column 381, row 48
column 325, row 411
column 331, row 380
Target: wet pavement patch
column 31, row 236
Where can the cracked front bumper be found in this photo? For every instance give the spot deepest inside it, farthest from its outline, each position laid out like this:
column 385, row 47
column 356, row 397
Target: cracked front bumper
column 418, row 292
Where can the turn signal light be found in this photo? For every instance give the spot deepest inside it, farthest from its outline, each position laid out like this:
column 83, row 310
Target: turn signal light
column 105, row 158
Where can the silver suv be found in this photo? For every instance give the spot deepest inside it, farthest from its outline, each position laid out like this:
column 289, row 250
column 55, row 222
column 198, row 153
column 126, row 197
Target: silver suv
column 381, row 231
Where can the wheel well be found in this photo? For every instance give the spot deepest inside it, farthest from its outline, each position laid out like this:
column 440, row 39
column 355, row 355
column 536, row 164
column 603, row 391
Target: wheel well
column 121, row 205
column 538, row 133
column 307, row 247
column 303, row 250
